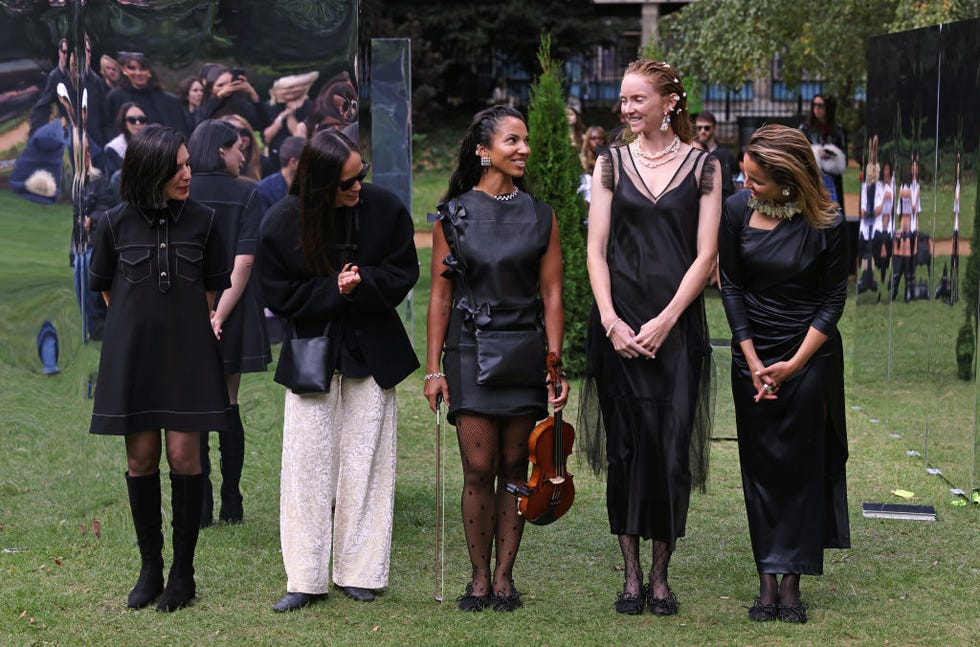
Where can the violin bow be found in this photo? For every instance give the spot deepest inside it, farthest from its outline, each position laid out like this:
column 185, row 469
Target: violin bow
column 440, row 558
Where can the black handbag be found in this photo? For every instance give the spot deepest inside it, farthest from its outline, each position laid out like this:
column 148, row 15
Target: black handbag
column 306, row 363
column 510, row 357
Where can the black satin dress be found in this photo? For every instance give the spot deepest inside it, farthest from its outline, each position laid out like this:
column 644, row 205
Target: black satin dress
column 494, row 263
column 776, row 284
column 647, row 422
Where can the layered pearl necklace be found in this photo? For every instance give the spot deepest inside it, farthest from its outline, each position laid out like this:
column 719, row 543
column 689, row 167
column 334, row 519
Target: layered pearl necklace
column 653, row 160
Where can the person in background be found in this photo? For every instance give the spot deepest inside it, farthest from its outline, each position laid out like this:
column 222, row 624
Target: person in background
column 828, row 140
column 592, row 143
column 275, row 187
column 141, row 86
column 190, row 92
column 496, row 265
column 339, row 252
column 645, row 418
column 159, row 260
column 783, row 250
column 130, row 120
column 288, row 106
column 252, row 166
column 111, row 72
column 707, row 127
column 233, row 95
column 237, row 318
column 576, row 129
column 65, row 75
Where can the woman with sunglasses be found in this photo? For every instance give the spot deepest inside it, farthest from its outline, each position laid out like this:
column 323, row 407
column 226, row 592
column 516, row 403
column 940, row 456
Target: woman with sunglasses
column 141, row 86
column 828, row 141
column 130, row 120
column 251, row 170
column 237, row 318
column 336, row 257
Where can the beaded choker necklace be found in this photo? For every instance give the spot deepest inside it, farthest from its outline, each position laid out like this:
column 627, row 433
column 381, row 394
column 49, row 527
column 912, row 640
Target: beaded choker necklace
column 784, row 211
column 653, row 160
column 503, row 197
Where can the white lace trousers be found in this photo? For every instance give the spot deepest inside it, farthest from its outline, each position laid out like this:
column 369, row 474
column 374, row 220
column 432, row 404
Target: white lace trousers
column 337, row 488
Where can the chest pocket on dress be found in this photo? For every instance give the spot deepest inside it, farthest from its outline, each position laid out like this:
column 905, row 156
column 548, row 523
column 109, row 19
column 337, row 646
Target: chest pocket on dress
column 134, row 264
column 189, row 261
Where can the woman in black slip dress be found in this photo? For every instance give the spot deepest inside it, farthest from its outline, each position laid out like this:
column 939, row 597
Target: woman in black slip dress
column 496, row 265
column 784, row 267
column 645, row 414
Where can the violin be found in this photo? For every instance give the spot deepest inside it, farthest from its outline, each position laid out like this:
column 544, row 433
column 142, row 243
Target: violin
column 549, row 493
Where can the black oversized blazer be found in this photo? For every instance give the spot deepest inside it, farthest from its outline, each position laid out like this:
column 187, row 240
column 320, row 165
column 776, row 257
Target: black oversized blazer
column 389, row 268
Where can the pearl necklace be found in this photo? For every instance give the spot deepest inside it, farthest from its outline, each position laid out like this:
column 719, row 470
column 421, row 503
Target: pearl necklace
column 503, row 197
column 653, row 160
column 784, row 211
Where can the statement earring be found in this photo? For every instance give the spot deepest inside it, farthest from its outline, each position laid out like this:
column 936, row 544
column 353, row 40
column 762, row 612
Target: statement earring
column 785, row 191
column 665, row 124
column 485, row 161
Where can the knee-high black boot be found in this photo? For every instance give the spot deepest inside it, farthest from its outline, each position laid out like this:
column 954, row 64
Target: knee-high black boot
column 144, row 503
column 232, row 461
column 186, row 498
column 207, row 492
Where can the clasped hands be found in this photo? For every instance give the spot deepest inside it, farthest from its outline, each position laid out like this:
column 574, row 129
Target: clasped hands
column 768, row 379
column 348, row 279
column 645, row 343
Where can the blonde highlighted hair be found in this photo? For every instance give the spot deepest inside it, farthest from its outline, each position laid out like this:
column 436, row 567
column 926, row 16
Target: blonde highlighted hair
column 667, row 81
column 785, row 155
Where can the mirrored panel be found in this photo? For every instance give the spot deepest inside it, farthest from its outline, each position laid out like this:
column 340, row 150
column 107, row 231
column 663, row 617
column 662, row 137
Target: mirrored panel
column 918, row 198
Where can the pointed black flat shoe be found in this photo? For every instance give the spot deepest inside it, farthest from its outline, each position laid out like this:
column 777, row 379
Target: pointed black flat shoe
column 293, row 601
column 630, row 604
column 470, row 602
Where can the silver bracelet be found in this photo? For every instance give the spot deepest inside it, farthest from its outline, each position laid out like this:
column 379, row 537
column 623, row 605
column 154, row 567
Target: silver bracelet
column 611, row 326
column 433, row 376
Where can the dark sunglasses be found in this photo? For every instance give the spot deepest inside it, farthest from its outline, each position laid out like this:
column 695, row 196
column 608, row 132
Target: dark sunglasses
column 137, row 120
column 345, row 185
column 245, row 132
column 819, row 104
column 702, row 127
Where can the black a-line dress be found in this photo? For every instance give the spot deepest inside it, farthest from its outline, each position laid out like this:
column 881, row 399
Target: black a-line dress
column 776, row 284
column 647, row 422
column 160, row 366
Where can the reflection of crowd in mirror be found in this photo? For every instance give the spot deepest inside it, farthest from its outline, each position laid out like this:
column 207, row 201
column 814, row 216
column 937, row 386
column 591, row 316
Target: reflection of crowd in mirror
column 906, row 234
column 948, row 290
column 873, row 220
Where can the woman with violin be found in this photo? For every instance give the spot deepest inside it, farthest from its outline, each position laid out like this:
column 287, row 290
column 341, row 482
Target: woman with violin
column 496, row 273
column 653, row 232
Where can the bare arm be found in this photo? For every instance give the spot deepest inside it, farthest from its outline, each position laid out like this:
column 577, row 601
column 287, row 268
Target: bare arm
column 437, row 318
column 240, row 274
column 550, row 282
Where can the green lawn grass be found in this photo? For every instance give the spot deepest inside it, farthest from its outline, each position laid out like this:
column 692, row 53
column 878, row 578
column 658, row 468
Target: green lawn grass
column 901, row 583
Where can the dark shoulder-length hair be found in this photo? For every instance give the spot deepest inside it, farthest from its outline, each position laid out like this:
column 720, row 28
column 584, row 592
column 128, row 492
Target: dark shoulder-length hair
column 205, row 143
column 125, row 57
column 484, row 126
column 315, row 185
column 150, row 162
column 829, row 112
column 121, row 119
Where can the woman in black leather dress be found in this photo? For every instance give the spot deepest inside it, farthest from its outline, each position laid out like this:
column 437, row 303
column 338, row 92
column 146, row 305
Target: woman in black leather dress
column 653, row 231
column 783, row 253
column 237, row 320
column 496, row 265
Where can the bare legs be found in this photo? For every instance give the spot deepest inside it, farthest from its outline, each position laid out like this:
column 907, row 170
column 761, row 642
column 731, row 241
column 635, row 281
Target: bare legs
column 494, row 453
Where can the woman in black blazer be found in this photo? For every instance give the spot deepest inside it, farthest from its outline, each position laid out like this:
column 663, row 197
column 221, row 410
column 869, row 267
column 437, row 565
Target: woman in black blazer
column 339, row 251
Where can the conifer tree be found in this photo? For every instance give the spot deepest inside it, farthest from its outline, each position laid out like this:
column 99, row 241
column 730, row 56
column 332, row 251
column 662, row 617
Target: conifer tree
column 554, row 172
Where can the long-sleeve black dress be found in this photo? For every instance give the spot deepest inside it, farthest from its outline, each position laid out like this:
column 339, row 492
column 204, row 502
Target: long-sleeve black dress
column 776, row 285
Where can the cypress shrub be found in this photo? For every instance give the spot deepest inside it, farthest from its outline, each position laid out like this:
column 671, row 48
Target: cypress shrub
column 554, row 173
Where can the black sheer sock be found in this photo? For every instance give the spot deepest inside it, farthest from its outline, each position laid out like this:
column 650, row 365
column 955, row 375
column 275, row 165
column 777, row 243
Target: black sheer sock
column 658, row 572
column 510, row 525
column 789, row 590
column 630, row 546
column 768, row 588
column 477, row 446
